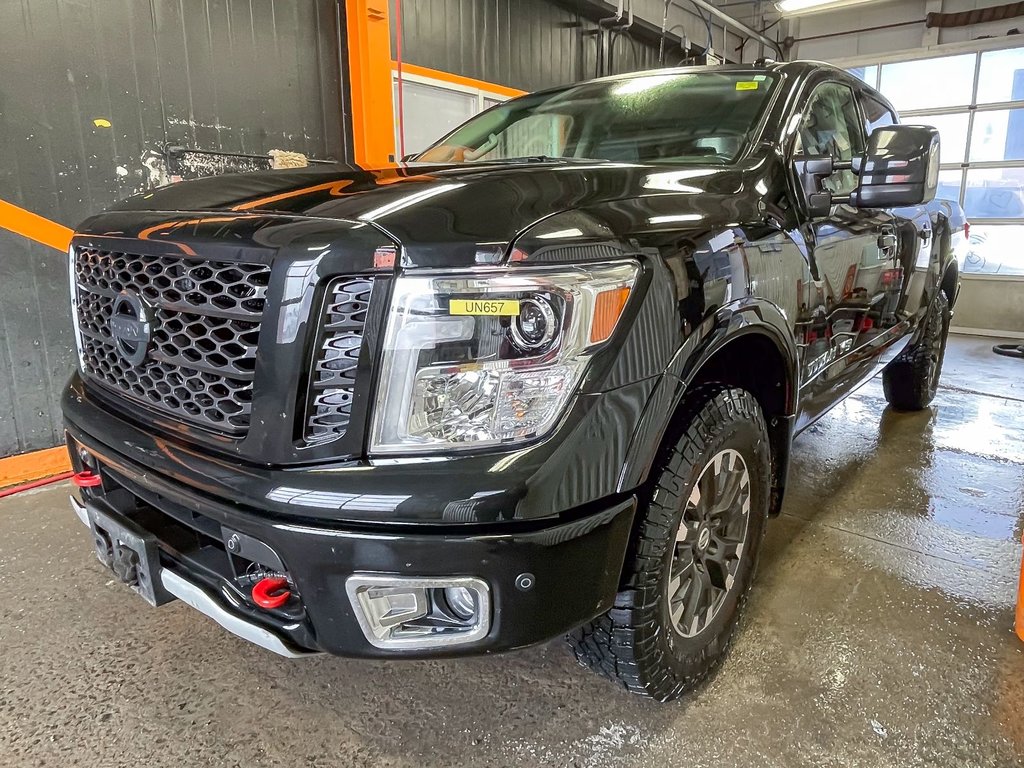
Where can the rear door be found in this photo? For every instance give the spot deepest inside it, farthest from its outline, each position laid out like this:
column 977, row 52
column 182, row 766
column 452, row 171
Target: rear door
column 911, row 229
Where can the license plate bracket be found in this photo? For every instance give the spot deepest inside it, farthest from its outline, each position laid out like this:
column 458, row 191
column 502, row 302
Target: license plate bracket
column 130, row 552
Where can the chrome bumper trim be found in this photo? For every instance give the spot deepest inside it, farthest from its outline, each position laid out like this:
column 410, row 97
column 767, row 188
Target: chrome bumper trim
column 193, row 595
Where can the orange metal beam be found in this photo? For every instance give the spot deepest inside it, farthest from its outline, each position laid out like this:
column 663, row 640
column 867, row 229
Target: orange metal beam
column 26, row 467
column 369, row 61
column 448, row 77
column 34, row 226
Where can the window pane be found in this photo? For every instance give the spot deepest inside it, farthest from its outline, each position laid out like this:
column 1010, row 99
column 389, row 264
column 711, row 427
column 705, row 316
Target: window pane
column 995, row 249
column 998, row 135
column 949, row 186
column 1002, row 76
column 831, row 127
column 876, row 114
column 868, row 74
column 911, row 84
column 430, row 113
column 703, row 117
column 994, row 193
column 952, row 134
column 539, row 134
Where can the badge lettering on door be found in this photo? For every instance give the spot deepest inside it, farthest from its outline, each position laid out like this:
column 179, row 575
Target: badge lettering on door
column 499, row 307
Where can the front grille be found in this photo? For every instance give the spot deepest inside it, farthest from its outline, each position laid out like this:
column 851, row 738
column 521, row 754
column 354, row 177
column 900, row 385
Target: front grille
column 336, row 359
column 205, row 318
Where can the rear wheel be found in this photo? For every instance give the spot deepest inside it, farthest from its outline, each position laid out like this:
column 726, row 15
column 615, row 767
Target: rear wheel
column 696, row 548
column 912, row 379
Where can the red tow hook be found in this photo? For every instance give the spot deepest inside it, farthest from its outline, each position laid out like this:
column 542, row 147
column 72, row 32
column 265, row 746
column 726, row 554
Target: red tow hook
column 271, row 592
column 86, row 479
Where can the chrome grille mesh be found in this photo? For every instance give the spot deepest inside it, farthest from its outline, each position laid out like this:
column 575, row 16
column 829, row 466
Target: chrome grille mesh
column 205, row 326
column 336, row 359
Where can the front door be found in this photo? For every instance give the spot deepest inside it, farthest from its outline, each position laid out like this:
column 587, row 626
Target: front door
column 851, row 251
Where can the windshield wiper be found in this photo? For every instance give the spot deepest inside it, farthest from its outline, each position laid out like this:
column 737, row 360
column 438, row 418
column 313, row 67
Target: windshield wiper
column 549, row 159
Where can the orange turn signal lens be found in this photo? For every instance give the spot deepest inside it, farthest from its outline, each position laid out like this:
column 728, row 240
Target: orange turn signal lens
column 607, row 309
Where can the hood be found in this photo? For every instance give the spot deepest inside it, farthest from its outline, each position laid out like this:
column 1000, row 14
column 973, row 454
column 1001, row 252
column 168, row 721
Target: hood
column 446, row 215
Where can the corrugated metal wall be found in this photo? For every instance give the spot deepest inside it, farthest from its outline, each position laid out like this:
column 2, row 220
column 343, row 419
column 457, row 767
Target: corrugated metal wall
column 233, row 75
column 526, row 44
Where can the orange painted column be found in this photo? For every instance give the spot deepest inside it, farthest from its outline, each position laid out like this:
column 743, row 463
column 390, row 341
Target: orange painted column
column 369, row 63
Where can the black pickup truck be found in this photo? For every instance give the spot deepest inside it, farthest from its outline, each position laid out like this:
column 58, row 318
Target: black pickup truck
column 541, row 379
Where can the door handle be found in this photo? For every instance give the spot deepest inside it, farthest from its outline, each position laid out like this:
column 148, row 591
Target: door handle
column 887, row 242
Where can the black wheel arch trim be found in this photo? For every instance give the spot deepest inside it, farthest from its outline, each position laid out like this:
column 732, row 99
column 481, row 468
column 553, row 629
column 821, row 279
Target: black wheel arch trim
column 747, row 316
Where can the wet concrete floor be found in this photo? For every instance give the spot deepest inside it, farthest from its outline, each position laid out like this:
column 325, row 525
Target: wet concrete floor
column 879, row 634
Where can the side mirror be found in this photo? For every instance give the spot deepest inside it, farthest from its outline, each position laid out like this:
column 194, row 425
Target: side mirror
column 812, row 170
column 900, row 167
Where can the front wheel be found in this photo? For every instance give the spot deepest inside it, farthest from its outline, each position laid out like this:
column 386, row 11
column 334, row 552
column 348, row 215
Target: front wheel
column 912, row 379
column 697, row 540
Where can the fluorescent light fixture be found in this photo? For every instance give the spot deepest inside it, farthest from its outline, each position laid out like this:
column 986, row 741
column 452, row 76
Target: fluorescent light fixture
column 813, row 6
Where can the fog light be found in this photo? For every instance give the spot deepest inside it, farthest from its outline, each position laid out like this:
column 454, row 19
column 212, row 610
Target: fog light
column 388, row 607
column 462, row 601
column 414, row 614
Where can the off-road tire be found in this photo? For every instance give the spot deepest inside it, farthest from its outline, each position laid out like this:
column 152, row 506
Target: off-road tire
column 636, row 643
column 911, row 380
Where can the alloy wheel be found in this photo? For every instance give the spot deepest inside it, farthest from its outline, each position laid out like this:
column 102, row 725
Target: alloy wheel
column 935, row 347
column 709, row 543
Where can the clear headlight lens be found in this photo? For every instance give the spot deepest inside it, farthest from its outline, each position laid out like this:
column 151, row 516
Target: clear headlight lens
column 476, row 360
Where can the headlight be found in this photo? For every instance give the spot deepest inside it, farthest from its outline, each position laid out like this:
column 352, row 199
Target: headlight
column 478, row 360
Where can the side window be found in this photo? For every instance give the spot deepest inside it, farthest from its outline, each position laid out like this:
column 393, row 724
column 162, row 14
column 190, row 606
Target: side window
column 876, row 114
column 831, row 126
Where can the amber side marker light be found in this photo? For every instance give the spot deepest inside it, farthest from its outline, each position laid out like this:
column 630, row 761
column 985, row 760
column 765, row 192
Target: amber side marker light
column 607, row 310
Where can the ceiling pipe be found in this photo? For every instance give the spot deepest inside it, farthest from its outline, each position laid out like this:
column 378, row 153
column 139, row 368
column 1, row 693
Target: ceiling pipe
column 738, row 25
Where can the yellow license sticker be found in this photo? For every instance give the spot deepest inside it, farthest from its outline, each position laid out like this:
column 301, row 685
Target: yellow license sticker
column 499, row 307
column 746, row 85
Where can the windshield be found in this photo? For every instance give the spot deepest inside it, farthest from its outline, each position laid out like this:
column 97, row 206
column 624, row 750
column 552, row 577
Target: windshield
column 705, row 117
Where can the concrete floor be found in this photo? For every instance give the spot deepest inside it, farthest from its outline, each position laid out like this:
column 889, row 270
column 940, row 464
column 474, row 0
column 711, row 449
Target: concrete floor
column 879, row 634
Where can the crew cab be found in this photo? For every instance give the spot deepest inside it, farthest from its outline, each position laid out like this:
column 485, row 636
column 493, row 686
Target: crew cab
column 541, row 379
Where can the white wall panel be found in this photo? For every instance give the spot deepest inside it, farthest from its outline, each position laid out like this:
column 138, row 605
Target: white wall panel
column 905, row 38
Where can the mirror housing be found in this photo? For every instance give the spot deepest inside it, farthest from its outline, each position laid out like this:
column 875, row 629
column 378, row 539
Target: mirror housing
column 900, row 167
column 812, row 170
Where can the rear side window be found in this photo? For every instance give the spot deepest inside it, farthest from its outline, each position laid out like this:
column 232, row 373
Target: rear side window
column 831, row 126
column 876, row 114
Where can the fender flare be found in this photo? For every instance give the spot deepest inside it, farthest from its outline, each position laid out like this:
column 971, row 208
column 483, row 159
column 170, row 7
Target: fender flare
column 949, row 279
column 750, row 315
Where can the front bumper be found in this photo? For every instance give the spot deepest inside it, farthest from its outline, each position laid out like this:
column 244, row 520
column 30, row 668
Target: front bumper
column 195, row 596
column 575, row 564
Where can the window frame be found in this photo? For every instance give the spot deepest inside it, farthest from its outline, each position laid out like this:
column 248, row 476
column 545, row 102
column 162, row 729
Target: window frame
column 485, row 99
column 964, row 166
column 971, row 110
